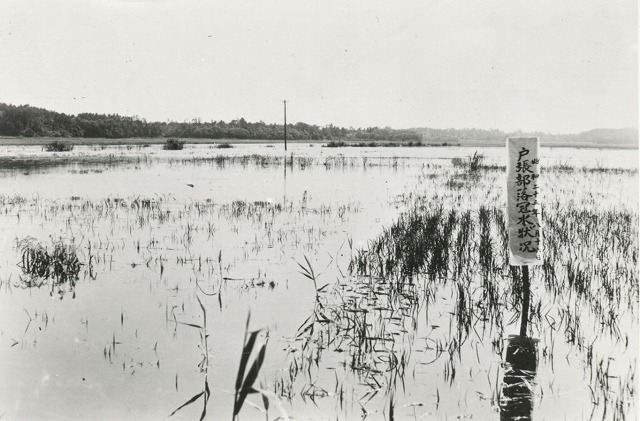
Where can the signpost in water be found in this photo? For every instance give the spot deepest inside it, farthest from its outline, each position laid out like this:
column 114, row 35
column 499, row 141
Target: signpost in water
column 525, row 248
column 523, row 206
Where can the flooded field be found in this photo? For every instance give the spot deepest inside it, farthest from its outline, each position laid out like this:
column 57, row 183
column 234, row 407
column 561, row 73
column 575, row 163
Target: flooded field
column 324, row 284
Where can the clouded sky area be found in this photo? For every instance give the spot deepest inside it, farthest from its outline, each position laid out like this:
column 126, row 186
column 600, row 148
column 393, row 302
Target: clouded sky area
column 545, row 65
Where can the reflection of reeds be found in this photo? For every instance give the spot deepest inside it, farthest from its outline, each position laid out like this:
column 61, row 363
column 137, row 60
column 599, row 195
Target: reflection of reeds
column 338, row 162
column 516, row 397
column 42, row 162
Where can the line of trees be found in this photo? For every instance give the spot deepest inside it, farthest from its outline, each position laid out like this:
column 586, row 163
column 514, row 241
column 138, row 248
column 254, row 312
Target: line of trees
column 28, row 121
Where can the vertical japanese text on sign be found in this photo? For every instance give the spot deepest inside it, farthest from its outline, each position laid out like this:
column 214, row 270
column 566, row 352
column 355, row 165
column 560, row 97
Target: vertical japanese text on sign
column 523, row 201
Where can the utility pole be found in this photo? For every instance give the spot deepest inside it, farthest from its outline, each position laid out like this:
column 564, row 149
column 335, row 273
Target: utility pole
column 285, row 125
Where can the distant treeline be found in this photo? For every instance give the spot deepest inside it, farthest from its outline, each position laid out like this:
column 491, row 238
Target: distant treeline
column 28, row 121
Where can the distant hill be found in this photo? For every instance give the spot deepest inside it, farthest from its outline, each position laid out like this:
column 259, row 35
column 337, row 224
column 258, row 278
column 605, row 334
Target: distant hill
column 605, row 137
column 626, row 138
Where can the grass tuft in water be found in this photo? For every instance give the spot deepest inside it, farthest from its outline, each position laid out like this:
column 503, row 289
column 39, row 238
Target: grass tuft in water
column 173, row 145
column 58, row 146
column 60, row 265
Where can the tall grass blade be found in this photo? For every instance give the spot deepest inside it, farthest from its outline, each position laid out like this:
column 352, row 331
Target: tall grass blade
column 244, row 384
column 189, row 402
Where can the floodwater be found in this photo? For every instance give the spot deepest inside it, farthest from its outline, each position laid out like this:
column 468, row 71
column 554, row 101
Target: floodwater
column 160, row 232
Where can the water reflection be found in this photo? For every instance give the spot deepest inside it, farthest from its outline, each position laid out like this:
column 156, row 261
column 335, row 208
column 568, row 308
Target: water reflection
column 284, row 200
column 516, row 401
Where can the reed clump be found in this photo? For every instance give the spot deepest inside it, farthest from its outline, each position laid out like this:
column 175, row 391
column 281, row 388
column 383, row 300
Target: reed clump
column 336, row 144
column 173, row 145
column 60, row 265
column 472, row 164
column 58, row 146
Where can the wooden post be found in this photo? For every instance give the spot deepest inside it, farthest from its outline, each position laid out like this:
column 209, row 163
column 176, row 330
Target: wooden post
column 285, row 128
column 525, row 300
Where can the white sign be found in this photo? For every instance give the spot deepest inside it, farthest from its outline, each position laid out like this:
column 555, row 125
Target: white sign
column 523, row 201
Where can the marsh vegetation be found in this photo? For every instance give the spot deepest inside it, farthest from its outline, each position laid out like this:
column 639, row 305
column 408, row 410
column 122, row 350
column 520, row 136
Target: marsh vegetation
column 173, row 144
column 59, row 146
column 377, row 282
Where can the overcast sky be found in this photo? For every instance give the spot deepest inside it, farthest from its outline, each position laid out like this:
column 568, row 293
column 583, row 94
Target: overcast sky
column 557, row 66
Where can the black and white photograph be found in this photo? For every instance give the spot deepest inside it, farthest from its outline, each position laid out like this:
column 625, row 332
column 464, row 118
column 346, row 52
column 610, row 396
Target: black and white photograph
column 281, row 210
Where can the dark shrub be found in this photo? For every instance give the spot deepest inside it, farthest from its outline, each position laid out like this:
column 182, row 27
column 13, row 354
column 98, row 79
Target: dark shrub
column 173, row 145
column 58, row 146
column 334, row 144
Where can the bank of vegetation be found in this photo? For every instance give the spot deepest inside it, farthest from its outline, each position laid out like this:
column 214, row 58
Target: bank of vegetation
column 31, row 122
column 27, row 121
